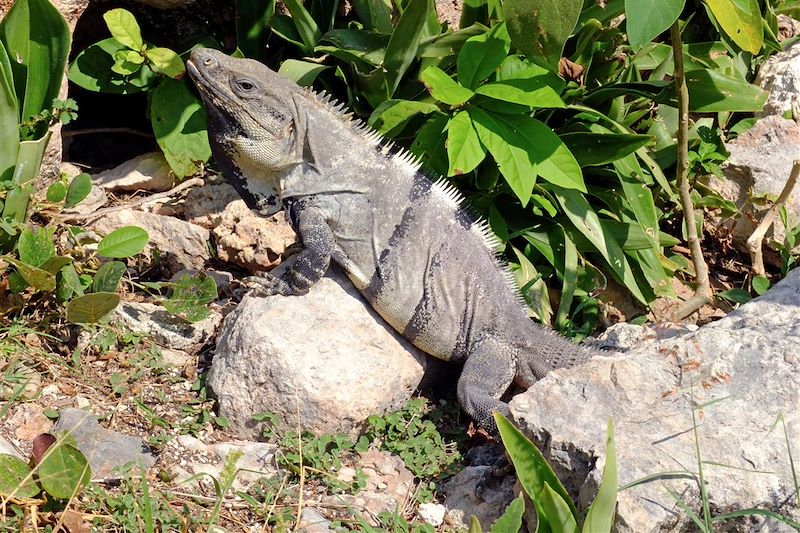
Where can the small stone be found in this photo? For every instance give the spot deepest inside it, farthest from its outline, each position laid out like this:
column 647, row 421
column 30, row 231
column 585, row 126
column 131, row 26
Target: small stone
column 431, row 513
column 147, row 172
column 51, row 390
column 166, row 329
column 29, row 421
column 312, row 521
column 346, row 474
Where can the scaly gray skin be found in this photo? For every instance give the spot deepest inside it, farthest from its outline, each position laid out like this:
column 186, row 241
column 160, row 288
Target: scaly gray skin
column 416, row 255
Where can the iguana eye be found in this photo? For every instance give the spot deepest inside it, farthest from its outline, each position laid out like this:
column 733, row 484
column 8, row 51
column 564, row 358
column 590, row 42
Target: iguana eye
column 245, row 85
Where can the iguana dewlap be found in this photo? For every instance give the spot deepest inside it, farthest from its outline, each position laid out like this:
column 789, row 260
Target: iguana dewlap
column 418, row 257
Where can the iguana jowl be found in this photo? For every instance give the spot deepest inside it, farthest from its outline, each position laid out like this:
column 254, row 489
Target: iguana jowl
column 416, row 255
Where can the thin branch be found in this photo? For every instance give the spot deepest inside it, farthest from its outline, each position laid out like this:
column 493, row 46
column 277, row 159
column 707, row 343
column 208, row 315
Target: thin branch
column 703, row 293
column 756, row 240
column 147, row 199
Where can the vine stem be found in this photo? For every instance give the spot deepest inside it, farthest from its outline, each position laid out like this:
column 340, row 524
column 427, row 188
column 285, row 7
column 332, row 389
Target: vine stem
column 702, row 294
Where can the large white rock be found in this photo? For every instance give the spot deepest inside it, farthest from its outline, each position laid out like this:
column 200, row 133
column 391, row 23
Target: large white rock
column 744, row 369
column 324, row 356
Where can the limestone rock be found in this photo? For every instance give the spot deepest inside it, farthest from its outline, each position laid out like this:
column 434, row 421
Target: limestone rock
column 312, row 521
column 8, row 448
column 146, row 172
column 105, row 449
column 166, row 329
column 744, row 369
column 760, row 162
column 325, row 356
column 780, row 76
column 180, row 244
column 465, row 499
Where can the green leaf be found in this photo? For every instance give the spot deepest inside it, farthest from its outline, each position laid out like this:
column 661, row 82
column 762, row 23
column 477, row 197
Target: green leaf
column 539, row 28
column 711, row 91
column 443, row 87
column 190, row 297
column 252, row 26
column 403, row 45
column 123, row 66
column 474, row 525
column 357, row 47
column 511, row 519
column 639, row 196
column 305, row 24
column 301, row 72
column 123, row 242
column 739, row 296
column 67, row 284
column 16, row 480
column 594, row 149
column 586, row 221
column 92, row 70
column 179, row 125
column 108, row 277
column 124, row 28
column 559, row 516
column 532, row 92
column 56, row 192
column 374, row 14
column 37, row 278
column 645, row 19
column 533, row 287
column 464, row 149
column 532, row 468
column 555, row 163
column 600, row 516
column 391, row 116
column 37, row 40
column 79, row 189
column 36, row 246
column 513, row 160
column 9, row 118
column 741, row 21
column 760, row 284
column 166, row 62
column 91, row 307
column 481, row 55
column 54, row 264
column 63, row 471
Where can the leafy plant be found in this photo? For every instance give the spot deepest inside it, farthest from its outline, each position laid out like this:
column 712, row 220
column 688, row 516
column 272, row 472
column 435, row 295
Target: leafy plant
column 124, row 64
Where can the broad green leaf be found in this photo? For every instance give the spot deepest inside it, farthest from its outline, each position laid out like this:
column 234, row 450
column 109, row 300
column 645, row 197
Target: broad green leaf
column 56, row 192
column 403, row 45
column 586, row 221
column 594, row 149
column 358, row 47
column 54, row 264
column 429, row 143
column 36, row 246
column 464, row 149
column 79, row 189
column 190, row 298
column 9, row 118
column 760, row 284
column 711, row 91
column 16, row 480
column 91, row 307
column 63, row 471
column 252, row 26
column 91, row 70
column 645, row 19
column 37, row 40
column 570, row 275
column 741, row 21
column 539, row 28
column 124, row 28
column 37, row 278
column 514, row 162
column 481, row 55
column 301, row 72
column 639, row 196
column 123, row 242
column 67, row 284
column 532, row 468
column 553, row 160
column 739, row 296
column 652, row 264
column 532, row 92
column 533, row 287
column 600, row 516
column 108, row 277
column 375, row 14
column 559, row 516
column 449, row 44
column 391, row 116
column 179, row 125
column 122, row 66
column 443, row 87
column 511, row 519
column 166, row 62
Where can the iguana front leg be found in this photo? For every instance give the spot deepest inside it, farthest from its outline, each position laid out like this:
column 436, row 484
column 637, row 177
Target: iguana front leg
column 311, row 263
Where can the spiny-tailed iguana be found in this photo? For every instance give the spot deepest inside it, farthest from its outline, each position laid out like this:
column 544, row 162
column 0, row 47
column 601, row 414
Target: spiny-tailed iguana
column 419, row 258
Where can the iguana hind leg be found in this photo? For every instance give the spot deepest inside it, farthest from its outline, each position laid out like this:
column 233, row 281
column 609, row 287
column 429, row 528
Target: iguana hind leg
column 488, row 372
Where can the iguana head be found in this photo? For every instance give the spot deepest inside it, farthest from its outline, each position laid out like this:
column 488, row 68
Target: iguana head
column 252, row 123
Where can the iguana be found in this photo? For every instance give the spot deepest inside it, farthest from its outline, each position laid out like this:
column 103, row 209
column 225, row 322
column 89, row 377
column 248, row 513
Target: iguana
column 414, row 252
